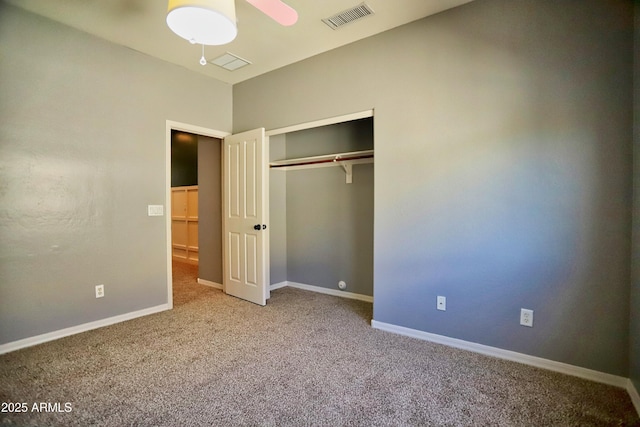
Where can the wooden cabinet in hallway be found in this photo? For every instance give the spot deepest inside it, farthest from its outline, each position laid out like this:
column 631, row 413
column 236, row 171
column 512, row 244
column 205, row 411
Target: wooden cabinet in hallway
column 184, row 223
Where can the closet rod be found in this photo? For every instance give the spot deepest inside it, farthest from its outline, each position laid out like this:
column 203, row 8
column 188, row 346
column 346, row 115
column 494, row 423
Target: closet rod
column 315, row 162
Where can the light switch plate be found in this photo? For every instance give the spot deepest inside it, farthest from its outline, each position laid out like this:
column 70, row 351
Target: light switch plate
column 155, row 210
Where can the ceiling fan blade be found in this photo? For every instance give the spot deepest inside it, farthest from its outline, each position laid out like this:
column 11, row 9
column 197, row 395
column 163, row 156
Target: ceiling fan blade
column 280, row 12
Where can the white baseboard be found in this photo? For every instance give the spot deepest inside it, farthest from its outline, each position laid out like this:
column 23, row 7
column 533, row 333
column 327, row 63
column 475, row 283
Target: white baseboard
column 334, row 292
column 278, row 285
column 209, row 283
column 50, row 336
column 539, row 362
column 633, row 394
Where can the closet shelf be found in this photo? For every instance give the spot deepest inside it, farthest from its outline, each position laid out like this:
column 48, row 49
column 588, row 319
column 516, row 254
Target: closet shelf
column 327, row 160
column 345, row 160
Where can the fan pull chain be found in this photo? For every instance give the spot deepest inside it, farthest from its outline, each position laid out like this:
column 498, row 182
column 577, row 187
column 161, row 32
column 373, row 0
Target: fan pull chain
column 203, row 61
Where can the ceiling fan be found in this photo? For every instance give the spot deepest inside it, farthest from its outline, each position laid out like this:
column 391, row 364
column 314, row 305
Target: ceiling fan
column 213, row 22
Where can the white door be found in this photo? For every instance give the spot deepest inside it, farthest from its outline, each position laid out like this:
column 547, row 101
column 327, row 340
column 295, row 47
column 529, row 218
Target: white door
column 245, row 218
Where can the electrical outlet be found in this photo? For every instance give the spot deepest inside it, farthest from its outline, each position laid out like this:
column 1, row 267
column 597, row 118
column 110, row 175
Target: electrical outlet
column 99, row 291
column 441, row 303
column 526, row 317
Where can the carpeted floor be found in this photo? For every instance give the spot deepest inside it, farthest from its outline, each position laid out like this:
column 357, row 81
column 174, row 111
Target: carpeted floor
column 305, row 359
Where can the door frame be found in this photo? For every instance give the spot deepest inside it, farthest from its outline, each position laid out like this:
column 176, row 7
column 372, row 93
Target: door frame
column 197, row 130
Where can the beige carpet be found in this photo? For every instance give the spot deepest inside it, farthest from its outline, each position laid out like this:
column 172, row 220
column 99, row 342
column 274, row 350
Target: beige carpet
column 305, row 359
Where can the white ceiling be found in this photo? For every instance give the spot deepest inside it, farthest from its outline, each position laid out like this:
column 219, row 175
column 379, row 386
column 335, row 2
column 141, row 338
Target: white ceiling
column 140, row 25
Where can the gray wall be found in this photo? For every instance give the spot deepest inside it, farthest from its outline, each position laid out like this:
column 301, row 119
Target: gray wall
column 277, row 212
column 82, row 154
column 502, row 176
column 210, row 209
column 634, row 353
column 329, row 222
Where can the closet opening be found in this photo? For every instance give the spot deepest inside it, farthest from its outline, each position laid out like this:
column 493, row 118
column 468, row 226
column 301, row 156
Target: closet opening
column 321, row 189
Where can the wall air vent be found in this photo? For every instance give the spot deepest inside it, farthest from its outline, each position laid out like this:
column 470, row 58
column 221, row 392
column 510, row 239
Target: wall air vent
column 343, row 18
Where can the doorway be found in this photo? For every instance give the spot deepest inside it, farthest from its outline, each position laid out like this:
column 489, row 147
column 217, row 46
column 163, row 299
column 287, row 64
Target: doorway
column 209, row 148
column 184, row 197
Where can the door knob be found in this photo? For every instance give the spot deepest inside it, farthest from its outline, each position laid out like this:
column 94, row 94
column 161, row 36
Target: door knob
column 256, row 227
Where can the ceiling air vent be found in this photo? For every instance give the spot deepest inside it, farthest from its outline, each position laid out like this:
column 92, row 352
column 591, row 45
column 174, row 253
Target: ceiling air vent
column 343, row 18
column 229, row 61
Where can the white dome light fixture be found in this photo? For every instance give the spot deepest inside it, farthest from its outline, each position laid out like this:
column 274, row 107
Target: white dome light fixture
column 210, row 22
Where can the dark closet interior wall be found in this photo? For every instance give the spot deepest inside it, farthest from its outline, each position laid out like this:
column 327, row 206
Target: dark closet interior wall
column 184, row 159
